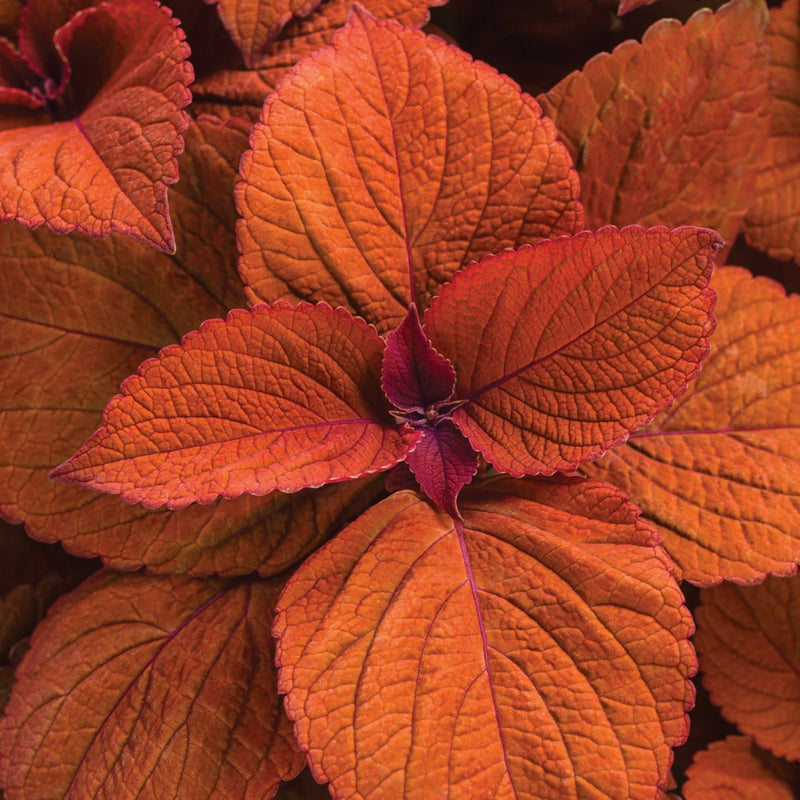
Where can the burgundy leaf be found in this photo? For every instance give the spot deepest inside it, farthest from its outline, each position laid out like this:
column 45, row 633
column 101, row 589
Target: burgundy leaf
column 414, row 374
column 443, row 462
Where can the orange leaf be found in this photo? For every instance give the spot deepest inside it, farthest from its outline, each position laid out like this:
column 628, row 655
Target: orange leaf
column 563, row 348
column 773, row 219
column 138, row 687
column 747, row 641
column 387, row 162
column 242, row 91
column 720, row 471
column 80, row 316
column 732, row 770
column 660, row 131
column 106, row 159
column 276, row 398
column 253, row 24
column 538, row 651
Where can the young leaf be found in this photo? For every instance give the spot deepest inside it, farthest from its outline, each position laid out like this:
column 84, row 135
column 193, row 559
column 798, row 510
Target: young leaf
column 539, row 649
column 731, row 770
column 443, row 462
column 671, row 131
column 414, row 377
column 773, row 218
column 164, row 688
column 719, row 473
column 275, row 398
column 105, row 160
column 747, row 641
column 386, row 163
column 226, row 89
column 563, row 348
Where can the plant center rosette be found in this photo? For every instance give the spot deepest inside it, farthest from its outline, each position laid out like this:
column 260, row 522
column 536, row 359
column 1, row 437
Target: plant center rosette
column 381, row 333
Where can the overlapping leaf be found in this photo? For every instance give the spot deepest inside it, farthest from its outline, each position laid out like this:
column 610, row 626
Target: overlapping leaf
column 253, row 24
column 539, row 650
column 671, row 131
column 105, row 157
column 720, row 471
column 384, row 165
column 773, row 219
column 225, row 88
column 731, row 770
column 277, row 398
column 80, row 316
column 164, row 688
column 561, row 349
column 747, row 641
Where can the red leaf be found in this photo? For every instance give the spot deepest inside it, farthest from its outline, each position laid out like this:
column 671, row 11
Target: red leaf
column 443, row 462
column 773, row 218
column 275, row 398
column 747, row 641
column 719, row 473
column 733, row 770
column 106, row 159
column 230, row 90
column 414, row 376
column 38, row 24
column 80, row 315
column 661, row 130
column 387, row 162
column 564, row 348
column 149, row 687
column 539, row 650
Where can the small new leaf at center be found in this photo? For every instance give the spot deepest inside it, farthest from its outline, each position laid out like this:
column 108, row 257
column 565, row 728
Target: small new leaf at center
column 420, row 381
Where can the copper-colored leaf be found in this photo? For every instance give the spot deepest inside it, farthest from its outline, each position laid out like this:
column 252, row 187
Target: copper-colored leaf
column 386, row 163
column 731, row 770
column 277, row 398
column 670, row 131
column 773, row 219
column 563, row 348
column 104, row 162
column 242, row 91
column 539, row 650
column 78, row 316
column 747, row 639
column 720, row 471
column 253, row 24
column 141, row 687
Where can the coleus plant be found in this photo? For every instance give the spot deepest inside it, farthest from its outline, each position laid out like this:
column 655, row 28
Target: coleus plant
column 511, row 638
